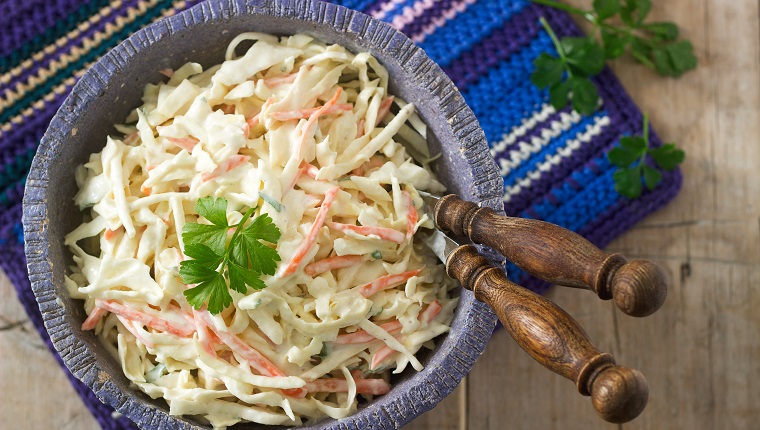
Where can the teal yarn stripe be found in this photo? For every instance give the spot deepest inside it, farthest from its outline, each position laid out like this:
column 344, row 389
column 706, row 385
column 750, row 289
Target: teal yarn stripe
column 18, row 167
column 107, row 44
column 5, row 200
column 61, row 28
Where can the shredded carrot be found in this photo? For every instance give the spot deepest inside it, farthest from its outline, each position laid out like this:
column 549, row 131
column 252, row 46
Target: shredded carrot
column 411, row 215
column 381, row 355
column 110, row 234
column 425, row 317
column 167, row 72
column 385, row 282
column 134, row 328
column 145, row 190
column 359, row 128
column 131, row 138
column 370, row 164
column 253, row 122
column 430, row 312
column 186, row 143
column 361, row 336
column 310, row 170
column 385, row 107
column 252, row 357
column 94, row 318
column 307, row 243
column 204, row 335
column 275, row 81
column 384, row 233
column 308, row 129
column 306, row 113
column 337, row 262
column 176, row 328
column 233, row 162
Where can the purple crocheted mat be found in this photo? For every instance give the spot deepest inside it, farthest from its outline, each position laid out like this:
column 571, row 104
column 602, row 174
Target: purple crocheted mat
column 553, row 163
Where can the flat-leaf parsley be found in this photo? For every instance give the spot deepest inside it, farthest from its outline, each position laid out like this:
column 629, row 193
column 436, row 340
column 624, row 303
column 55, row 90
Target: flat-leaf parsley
column 630, row 158
column 217, row 263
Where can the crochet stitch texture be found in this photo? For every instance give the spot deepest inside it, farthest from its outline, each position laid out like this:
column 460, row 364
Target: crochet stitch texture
column 553, row 163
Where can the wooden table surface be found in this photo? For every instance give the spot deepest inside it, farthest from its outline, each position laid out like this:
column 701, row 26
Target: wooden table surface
column 700, row 352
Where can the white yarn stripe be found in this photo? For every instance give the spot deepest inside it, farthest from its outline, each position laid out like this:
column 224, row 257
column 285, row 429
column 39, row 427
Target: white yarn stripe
column 525, row 149
column 438, row 21
column 526, row 125
column 411, row 13
column 554, row 159
column 385, row 8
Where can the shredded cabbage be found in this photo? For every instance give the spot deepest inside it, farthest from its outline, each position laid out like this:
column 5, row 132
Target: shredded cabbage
column 279, row 128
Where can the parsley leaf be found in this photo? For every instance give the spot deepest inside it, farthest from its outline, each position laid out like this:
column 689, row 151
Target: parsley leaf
column 621, row 28
column 216, row 264
column 567, row 76
column 630, row 158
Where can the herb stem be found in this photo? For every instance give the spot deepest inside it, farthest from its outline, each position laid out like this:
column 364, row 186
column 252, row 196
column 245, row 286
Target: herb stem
column 557, row 45
column 561, row 6
column 645, row 135
column 239, row 227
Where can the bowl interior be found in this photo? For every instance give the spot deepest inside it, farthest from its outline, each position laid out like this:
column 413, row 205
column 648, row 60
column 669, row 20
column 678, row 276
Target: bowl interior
column 114, row 86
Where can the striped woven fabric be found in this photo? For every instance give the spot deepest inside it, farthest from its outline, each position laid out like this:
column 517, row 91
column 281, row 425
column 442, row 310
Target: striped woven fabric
column 553, row 163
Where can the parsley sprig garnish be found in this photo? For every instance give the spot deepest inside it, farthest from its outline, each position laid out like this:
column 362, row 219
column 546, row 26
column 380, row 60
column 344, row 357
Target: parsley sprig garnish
column 218, row 263
column 621, row 28
column 631, row 158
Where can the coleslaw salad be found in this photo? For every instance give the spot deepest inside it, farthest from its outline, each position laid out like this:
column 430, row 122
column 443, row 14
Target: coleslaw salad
column 307, row 134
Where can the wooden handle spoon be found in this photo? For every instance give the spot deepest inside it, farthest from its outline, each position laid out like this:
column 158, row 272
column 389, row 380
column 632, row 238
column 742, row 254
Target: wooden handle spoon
column 546, row 332
column 555, row 254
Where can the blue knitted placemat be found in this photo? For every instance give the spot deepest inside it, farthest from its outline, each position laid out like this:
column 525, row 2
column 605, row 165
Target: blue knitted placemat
column 553, row 163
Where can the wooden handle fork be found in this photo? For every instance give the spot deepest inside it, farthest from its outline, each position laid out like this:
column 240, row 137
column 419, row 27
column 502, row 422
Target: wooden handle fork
column 557, row 255
column 552, row 337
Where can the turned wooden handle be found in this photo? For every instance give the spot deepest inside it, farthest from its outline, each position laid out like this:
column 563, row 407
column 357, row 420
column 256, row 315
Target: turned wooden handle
column 552, row 337
column 557, row 255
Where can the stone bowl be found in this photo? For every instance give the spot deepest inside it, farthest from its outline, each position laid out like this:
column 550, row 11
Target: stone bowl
column 114, row 85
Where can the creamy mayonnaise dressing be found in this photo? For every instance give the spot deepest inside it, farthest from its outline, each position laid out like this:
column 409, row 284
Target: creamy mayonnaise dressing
column 308, row 134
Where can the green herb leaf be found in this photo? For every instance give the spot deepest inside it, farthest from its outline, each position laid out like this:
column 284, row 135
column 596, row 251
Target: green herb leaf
column 634, row 12
column 214, row 210
column 631, row 157
column 628, row 182
column 662, row 62
column 606, row 8
column 681, row 55
column 635, row 144
column 559, row 94
column 584, row 56
column 654, row 45
column 548, row 71
column 215, row 237
column 642, row 52
column 272, row 202
column 197, row 271
column 218, row 264
column 240, row 277
column 668, row 156
column 614, row 44
column 214, row 292
column 585, row 96
column 621, row 157
column 652, row 177
column 663, row 30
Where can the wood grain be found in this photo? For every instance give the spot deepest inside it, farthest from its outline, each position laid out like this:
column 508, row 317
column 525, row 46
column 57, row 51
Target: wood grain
column 557, row 255
column 699, row 352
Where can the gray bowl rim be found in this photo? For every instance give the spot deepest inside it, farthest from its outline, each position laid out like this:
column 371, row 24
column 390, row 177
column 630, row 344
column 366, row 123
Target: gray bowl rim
column 474, row 321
